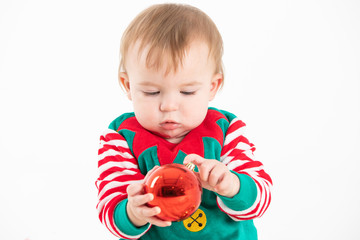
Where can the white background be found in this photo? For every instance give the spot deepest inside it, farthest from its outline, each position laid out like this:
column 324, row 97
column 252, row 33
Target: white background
column 292, row 74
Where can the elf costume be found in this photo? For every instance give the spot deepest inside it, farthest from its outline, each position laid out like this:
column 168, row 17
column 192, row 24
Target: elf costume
column 128, row 151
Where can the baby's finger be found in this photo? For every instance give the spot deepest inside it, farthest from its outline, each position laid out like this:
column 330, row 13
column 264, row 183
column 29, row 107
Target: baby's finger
column 135, row 189
column 158, row 222
column 149, row 172
column 147, row 212
column 216, row 175
column 222, row 187
column 194, row 158
column 140, row 200
column 229, row 186
column 204, row 169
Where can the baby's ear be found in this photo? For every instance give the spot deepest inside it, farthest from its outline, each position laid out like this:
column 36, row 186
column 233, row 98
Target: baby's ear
column 124, row 83
column 216, row 83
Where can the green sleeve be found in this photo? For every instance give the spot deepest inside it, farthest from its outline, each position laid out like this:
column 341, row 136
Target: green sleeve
column 246, row 196
column 123, row 222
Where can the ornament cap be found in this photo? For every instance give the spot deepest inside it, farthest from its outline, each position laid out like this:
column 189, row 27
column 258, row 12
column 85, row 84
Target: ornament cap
column 190, row 166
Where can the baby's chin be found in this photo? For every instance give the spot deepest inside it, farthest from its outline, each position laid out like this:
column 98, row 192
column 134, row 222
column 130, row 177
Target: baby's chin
column 171, row 138
column 175, row 140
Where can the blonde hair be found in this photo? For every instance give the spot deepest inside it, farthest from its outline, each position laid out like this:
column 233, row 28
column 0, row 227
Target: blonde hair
column 168, row 29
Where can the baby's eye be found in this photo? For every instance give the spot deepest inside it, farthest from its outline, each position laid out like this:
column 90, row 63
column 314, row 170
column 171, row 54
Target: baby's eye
column 187, row 92
column 151, row 93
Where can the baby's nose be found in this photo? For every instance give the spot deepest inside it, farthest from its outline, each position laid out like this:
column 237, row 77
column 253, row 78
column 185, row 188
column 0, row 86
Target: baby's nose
column 169, row 104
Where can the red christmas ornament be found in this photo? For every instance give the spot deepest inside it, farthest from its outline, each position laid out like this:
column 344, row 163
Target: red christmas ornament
column 176, row 189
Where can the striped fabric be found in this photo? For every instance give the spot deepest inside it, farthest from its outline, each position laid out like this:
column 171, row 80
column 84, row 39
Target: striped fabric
column 237, row 154
column 117, row 169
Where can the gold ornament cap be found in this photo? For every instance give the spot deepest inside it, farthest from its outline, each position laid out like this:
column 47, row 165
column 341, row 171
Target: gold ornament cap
column 190, row 166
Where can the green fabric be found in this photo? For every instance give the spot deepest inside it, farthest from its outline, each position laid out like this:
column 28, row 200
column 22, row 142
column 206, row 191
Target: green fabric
column 129, row 136
column 114, row 125
column 227, row 114
column 180, row 157
column 151, row 161
column 224, row 125
column 123, row 222
column 246, row 196
column 212, row 148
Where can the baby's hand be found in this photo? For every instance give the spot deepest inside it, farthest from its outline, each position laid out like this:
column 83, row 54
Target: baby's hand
column 138, row 212
column 215, row 176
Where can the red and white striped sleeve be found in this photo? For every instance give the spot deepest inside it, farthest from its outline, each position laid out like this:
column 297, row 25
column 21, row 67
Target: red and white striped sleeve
column 117, row 169
column 237, row 154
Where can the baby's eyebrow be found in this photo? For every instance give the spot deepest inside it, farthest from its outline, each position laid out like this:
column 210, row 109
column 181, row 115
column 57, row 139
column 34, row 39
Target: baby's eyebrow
column 186, row 84
column 148, row 83
column 189, row 84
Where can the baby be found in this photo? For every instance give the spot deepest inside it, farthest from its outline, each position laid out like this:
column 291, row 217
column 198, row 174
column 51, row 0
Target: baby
column 170, row 69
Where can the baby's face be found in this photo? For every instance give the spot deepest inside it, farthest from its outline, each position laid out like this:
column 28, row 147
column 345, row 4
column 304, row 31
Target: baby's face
column 171, row 105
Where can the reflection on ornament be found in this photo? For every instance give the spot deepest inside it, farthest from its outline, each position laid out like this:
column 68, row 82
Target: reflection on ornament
column 176, row 189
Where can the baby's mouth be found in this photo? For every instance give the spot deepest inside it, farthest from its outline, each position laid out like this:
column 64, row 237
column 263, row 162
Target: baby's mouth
column 169, row 125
